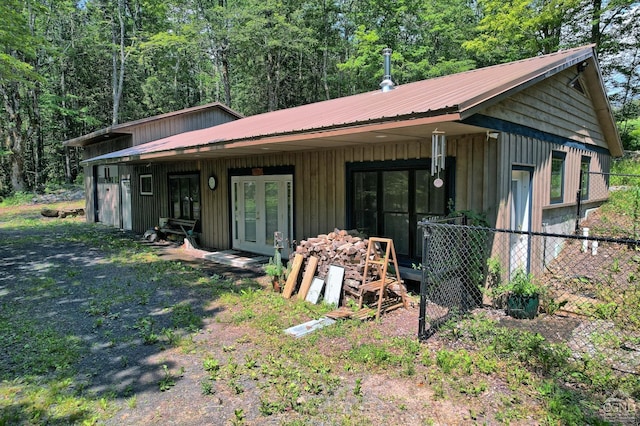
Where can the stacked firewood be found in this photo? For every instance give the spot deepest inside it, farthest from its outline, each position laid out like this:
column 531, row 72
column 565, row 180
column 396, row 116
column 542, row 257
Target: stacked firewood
column 339, row 247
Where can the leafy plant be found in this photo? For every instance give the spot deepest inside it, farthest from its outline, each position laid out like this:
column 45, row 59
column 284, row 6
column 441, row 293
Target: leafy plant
column 520, row 284
column 168, row 381
column 357, row 390
column 276, row 270
column 549, row 304
column 145, row 330
column 207, row 387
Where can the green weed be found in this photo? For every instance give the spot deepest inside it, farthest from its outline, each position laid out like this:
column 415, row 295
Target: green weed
column 145, row 330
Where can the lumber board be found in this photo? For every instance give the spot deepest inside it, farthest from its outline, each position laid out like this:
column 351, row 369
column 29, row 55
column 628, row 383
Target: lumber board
column 342, row 312
column 309, row 273
column 292, row 279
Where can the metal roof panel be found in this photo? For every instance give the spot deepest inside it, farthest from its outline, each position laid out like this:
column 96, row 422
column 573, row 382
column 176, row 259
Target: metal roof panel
column 454, row 93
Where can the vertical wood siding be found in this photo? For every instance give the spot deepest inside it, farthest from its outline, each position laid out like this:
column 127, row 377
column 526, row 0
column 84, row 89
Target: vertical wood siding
column 179, row 124
column 319, row 184
column 482, row 182
column 89, row 187
column 109, row 145
column 524, row 151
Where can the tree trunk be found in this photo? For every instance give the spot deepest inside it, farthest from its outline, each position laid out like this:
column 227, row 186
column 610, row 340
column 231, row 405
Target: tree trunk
column 226, row 83
column 35, row 124
column 14, row 139
column 595, row 22
column 118, row 59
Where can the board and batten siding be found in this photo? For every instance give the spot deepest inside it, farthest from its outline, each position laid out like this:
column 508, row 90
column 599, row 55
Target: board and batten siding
column 554, row 107
column 174, row 125
column 518, row 150
column 107, row 146
column 476, row 174
column 148, row 209
column 320, row 183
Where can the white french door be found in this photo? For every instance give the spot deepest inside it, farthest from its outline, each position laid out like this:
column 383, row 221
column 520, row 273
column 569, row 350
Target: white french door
column 520, row 219
column 261, row 205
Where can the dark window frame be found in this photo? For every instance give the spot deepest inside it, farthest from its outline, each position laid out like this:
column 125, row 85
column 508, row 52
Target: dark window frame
column 448, row 175
column 143, row 186
column 184, row 175
column 562, row 157
column 584, row 176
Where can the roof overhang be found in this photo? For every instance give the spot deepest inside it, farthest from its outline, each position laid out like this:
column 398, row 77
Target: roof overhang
column 126, row 129
column 414, row 129
column 101, row 135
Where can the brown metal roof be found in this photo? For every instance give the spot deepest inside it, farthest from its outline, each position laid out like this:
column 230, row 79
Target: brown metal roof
column 438, row 100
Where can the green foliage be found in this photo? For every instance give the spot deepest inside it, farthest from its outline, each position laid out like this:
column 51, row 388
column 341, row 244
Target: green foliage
column 258, row 56
column 518, row 29
column 182, row 316
column 274, row 269
column 625, row 166
column 630, row 134
column 16, row 199
column 169, row 379
column 520, row 284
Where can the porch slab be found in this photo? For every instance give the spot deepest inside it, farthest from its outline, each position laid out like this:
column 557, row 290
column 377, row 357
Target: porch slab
column 235, row 258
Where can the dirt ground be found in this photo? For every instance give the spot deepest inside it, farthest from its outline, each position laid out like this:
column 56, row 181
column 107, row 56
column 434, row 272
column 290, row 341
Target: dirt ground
column 72, row 277
column 60, row 277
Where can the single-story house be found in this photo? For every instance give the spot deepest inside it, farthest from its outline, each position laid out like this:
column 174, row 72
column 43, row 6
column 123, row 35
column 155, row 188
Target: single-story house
column 509, row 140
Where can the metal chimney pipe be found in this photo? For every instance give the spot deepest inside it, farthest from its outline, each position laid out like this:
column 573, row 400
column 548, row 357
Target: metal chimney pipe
column 387, row 83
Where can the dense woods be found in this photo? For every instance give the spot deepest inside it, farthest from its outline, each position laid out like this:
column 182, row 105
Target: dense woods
column 69, row 67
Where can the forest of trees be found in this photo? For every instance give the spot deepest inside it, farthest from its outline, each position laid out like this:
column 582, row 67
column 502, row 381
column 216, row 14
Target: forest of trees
column 68, row 67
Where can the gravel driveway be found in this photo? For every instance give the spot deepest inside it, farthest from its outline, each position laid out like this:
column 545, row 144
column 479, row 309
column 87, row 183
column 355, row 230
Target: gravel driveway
column 59, row 275
column 121, row 315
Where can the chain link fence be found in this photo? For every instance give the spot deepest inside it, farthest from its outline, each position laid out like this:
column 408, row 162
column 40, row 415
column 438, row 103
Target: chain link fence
column 623, row 190
column 584, row 292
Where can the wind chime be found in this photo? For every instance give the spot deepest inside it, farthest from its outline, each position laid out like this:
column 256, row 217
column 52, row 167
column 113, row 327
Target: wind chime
column 438, row 155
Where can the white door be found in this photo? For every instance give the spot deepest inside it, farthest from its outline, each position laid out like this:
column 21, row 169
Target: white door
column 520, row 219
column 108, row 196
column 261, row 205
column 125, row 194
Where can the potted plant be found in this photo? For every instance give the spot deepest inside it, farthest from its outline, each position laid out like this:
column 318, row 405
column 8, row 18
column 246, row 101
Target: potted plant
column 277, row 271
column 522, row 295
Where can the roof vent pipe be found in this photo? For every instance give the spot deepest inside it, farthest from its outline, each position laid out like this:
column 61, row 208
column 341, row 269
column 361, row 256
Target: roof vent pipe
column 387, row 83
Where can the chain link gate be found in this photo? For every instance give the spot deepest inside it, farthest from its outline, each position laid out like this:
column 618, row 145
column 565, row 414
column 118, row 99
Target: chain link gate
column 453, row 268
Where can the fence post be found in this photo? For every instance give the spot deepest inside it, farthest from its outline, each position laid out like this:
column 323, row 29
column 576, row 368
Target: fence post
column 423, row 282
column 579, row 202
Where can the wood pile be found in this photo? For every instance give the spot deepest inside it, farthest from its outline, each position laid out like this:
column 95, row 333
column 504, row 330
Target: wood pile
column 339, row 247
column 339, row 259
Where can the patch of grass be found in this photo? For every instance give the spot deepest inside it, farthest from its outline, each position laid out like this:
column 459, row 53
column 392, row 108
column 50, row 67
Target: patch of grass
column 183, row 316
column 42, row 350
column 17, row 199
